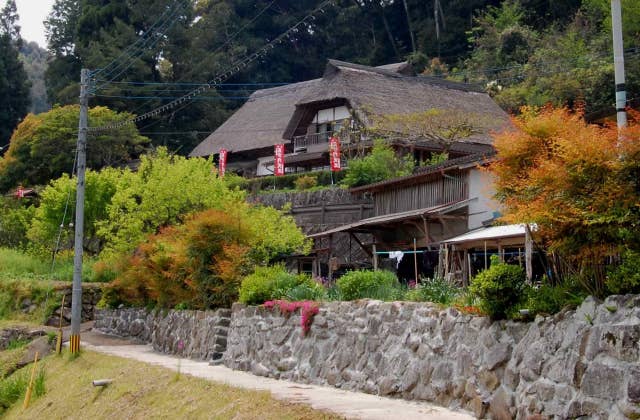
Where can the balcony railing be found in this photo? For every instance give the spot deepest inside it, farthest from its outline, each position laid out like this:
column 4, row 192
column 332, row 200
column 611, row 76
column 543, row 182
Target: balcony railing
column 302, row 143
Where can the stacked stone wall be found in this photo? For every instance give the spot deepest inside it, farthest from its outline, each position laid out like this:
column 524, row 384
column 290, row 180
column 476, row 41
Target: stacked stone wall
column 579, row 363
column 198, row 335
column 582, row 363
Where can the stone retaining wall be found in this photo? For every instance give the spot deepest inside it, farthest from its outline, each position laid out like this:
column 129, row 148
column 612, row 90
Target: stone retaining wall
column 578, row 363
column 91, row 294
column 203, row 333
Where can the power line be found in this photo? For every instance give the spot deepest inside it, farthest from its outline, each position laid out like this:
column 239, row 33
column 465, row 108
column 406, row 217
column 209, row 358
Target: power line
column 235, row 34
column 223, row 76
column 204, row 98
column 148, row 40
column 194, row 83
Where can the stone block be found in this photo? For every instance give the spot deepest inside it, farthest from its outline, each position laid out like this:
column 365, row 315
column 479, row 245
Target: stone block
column 501, row 405
column 497, row 355
column 633, row 387
column 602, row 381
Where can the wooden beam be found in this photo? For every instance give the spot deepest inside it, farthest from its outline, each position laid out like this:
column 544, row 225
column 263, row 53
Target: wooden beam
column 364, row 248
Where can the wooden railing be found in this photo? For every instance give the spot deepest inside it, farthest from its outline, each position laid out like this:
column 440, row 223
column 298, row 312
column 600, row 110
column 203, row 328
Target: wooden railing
column 301, row 143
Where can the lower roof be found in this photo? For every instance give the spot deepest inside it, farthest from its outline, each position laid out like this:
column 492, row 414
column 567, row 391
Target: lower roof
column 367, row 224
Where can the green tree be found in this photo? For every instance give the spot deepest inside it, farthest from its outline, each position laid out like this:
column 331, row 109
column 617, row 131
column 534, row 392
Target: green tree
column 382, row 163
column 42, row 146
column 165, row 189
column 14, row 84
column 54, row 216
column 34, row 60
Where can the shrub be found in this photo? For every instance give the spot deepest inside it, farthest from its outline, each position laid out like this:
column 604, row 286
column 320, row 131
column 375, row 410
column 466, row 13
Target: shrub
column 625, row 278
column 548, row 299
column 274, row 282
column 435, row 290
column 199, row 263
column 381, row 164
column 306, row 182
column 14, row 223
column 499, row 288
column 363, row 284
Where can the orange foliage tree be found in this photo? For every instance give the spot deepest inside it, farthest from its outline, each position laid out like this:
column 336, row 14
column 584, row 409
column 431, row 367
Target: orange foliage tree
column 577, row 182
column 200, row 263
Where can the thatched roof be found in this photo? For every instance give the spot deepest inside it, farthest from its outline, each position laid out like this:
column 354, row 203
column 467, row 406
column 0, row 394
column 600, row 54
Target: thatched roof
column 275, row 115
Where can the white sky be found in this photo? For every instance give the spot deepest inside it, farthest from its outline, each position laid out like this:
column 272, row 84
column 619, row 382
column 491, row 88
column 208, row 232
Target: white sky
column 32, row 14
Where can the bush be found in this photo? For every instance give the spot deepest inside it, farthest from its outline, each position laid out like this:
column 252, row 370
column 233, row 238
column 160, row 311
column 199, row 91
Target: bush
column 288, row 182
column 306, row 182
column 437, row 290
column 14, row 223
column 625, row 278
column 381, row 164
column 362, row 284
column 274, row 282
column 199, row 263
column 548, row 299
column 499, row 288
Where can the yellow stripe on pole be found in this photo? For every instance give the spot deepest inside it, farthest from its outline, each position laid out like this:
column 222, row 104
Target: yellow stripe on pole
column 74, row 343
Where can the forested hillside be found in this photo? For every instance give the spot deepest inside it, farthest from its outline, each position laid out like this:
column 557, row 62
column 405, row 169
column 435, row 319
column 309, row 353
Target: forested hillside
column 525, row 52
column 34, row 59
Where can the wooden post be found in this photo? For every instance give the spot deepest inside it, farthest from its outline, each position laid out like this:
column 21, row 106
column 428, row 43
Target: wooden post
column 374, row 255
column 469, row 265
column 485, row 256
column 528, row 251
column 415, row 260
column 27, row 397
column 330, row 271
column 465, row 265
column 500, row 254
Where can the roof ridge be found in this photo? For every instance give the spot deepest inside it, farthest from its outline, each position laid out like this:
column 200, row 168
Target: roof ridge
column 279, row 89
column 450, row 84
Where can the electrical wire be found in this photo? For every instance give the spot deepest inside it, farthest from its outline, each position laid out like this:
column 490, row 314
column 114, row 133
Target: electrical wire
column 222, row 76
column 148, row 40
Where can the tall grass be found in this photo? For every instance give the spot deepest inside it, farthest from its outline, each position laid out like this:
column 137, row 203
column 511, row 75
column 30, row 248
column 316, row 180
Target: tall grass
column 15, row 264
column 13, row 388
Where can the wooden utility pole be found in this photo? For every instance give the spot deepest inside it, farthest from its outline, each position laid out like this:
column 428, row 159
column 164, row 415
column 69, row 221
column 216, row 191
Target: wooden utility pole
column 76, row 296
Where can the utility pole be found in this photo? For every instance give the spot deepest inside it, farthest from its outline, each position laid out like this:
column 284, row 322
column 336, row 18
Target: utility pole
column 618, row 59
column 76, row 296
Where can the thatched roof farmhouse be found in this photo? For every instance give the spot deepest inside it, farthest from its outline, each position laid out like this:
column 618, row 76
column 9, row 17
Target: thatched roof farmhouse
column 303, row 115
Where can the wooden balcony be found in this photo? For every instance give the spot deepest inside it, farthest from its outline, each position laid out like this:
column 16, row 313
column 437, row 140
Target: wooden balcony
column 317, row 141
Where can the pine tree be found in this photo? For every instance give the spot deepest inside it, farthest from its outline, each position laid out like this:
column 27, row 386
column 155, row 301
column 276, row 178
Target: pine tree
column 14, row 84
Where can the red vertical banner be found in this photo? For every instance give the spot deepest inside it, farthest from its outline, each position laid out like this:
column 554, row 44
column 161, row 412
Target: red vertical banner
column 222, row 162
column 334, row 153
column 278, row 160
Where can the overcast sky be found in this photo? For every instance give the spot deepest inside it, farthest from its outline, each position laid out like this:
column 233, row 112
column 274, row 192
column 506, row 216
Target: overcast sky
column 32, row 13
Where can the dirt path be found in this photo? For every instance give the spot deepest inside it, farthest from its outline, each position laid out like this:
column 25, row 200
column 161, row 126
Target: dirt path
column 349, row 404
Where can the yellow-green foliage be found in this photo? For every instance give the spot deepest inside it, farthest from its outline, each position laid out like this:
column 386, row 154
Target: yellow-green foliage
column 163, row 191
column 274, row 282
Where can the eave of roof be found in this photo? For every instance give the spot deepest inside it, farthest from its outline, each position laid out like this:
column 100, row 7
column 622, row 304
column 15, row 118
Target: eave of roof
column 395, row 217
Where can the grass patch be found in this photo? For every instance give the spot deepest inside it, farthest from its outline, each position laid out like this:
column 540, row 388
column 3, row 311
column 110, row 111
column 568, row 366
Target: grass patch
column 9, row 359
column 145, row 391
column 16, row 264
column 14, row 292
column 14, row 387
